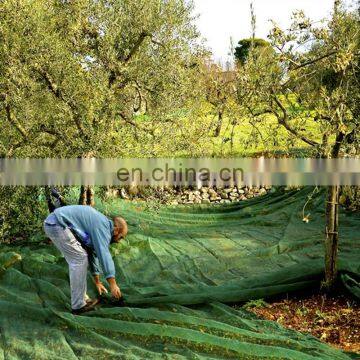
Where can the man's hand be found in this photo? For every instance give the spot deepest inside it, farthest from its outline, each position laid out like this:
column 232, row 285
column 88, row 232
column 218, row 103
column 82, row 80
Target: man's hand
column 101, row 288
column 99, row 285
column 115, row 290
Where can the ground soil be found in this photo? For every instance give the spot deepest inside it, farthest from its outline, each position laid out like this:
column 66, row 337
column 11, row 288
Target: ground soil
column 333, row 319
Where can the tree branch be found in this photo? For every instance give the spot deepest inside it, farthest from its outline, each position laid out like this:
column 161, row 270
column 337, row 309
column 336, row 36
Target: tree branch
column 12, row 121
column 282, row 120
column 51, row 84
column 114, row 74
column 259, row 113
column 310, row 62
column 56, row 91
column 133, row 123
column 336, row 148
column 157, row 42
column 137, row 45
column 30, row 139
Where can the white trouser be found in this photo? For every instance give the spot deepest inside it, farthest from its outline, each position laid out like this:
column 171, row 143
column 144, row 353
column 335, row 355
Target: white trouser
column 75, row 256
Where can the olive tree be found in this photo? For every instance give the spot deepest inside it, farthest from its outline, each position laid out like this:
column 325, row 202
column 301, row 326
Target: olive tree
column 97, row 78
column 310, row 87
column 94, row 78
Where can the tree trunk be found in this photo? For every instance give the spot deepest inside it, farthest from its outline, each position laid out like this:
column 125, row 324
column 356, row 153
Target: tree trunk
column 219, row 123
column 232, row 136
column 87, row 195
column 332, row 237
column 332, row 224
column 50, row 204
column 83, row 195
column 90, row 198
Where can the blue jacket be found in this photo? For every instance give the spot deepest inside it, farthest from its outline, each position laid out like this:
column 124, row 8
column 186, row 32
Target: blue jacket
column 85, row 219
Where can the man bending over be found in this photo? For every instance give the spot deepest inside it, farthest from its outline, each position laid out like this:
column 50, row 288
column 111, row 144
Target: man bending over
column 83, row 236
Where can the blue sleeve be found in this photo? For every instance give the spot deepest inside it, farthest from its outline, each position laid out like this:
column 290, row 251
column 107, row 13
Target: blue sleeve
column 94, row 263
column 100, row 238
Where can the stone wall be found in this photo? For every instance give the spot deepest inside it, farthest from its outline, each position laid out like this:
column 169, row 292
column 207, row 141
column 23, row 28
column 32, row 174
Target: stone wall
column 180, row 195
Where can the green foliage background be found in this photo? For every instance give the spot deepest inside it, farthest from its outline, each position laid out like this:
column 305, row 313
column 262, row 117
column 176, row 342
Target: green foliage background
column 134, row 79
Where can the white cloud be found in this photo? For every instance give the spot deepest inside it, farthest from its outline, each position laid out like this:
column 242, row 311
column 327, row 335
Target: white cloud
column 221, row 19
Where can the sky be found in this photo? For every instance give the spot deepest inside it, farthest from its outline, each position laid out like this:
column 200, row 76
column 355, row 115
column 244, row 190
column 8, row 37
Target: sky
column 221, row 19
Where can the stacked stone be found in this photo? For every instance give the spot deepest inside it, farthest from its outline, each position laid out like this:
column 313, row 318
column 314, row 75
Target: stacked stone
column 204, row 195
column 208, row 195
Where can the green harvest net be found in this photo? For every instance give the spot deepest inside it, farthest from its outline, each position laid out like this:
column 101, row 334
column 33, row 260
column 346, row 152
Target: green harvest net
column 177, row 270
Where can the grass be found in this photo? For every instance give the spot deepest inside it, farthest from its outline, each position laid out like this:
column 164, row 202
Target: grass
column 267, row 137
column 259, row 303
column 262, row 136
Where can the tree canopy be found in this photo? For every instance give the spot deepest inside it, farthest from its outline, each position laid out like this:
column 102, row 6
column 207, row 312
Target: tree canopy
column 245, row 45
column 94, row 78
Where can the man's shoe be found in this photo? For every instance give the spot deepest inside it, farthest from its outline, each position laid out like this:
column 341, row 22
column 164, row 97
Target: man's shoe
column 90, row 301
column 90, row 305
